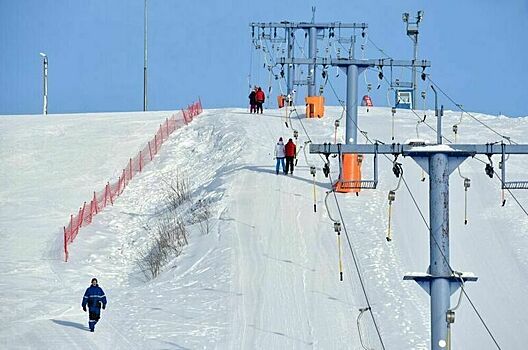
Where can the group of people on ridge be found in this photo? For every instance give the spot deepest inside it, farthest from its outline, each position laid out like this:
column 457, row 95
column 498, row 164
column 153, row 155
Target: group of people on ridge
column 286, row 151
column 256, row 99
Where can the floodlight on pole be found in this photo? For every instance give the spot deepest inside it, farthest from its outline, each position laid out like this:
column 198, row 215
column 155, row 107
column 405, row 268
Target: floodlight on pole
column 412, row 32
column 45, row 78
column 420, row 16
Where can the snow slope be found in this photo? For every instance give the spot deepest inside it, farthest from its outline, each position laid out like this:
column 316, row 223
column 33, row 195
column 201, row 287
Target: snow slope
column 266, row 276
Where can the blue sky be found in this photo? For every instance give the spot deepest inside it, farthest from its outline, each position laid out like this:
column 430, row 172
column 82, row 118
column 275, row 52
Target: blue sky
column 203, row 48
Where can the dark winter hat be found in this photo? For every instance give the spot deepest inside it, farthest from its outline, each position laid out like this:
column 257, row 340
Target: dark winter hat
column 290, row 140
column 280, row 138
column 94, row 279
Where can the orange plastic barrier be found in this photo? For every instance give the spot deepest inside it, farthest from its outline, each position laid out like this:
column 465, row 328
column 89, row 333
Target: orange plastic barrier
column 350, row 174
column 314, row 106
column 135, row 165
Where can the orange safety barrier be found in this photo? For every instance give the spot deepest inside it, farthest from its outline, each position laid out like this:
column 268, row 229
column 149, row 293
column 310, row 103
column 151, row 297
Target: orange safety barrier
column 350, row 174
column 314, row 106
column 134, row 165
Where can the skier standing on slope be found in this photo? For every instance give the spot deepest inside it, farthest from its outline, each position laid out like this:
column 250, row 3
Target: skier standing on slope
column 253, row 101
column 290, row 152
column 279, row 155
column 260, row 97
column 93, row 297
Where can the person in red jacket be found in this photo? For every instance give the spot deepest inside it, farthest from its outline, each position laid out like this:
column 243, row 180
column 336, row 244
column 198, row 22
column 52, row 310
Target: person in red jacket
column 260, row 98
column 290, row 152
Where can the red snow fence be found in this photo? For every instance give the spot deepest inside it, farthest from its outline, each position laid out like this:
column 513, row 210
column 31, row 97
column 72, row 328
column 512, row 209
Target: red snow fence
column 135, row 165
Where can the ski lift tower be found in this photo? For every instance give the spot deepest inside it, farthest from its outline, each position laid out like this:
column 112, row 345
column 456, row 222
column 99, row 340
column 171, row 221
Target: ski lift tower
column 439, row 161
column 312, row 30
column 350, row 164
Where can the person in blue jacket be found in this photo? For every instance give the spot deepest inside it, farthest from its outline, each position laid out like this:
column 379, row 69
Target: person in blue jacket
column 94, row 297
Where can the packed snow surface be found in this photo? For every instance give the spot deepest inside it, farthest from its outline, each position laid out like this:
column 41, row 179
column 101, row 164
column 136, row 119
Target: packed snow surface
column 266, row 275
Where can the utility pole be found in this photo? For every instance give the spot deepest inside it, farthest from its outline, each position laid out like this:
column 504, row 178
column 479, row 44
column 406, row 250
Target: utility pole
column 439, row 161
column 45, row 78
column 412, row 32
column 145, row 60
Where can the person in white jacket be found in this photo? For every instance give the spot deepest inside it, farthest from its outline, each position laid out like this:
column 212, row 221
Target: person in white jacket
column 279, row 156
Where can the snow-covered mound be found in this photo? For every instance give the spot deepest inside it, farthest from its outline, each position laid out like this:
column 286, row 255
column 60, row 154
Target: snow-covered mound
column 266, row 275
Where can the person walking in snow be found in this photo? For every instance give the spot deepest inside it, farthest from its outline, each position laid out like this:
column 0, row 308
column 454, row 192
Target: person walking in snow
column 290, row 152
column 279, row 156
column 94, row 297
column 260, row 98
column 253, row 101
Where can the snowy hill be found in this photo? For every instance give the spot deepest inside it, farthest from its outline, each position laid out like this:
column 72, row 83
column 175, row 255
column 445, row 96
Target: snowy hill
column 266, row 275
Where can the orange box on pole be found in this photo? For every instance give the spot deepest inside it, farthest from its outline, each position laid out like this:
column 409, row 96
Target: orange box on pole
column 350, row 180
column 314, row 106
column 280, row 101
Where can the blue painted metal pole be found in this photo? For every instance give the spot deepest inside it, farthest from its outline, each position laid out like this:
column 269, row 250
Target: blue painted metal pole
column 290, row 34
column 439, row 247
column 145, row 60
column 312, row 54
column 351, row 104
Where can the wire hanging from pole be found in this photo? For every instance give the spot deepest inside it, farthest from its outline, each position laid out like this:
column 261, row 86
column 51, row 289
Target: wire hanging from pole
column 312, row 171
column 337, row 229
column 397, row 169
column 455, row 126
column 389, row 90
column 467, row 184
column 250, row 65
column 424, row 96
column 393, row 111
column 361, row 311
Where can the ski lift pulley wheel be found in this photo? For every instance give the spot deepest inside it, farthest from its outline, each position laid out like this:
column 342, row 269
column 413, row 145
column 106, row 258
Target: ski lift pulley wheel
column 392, row 196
